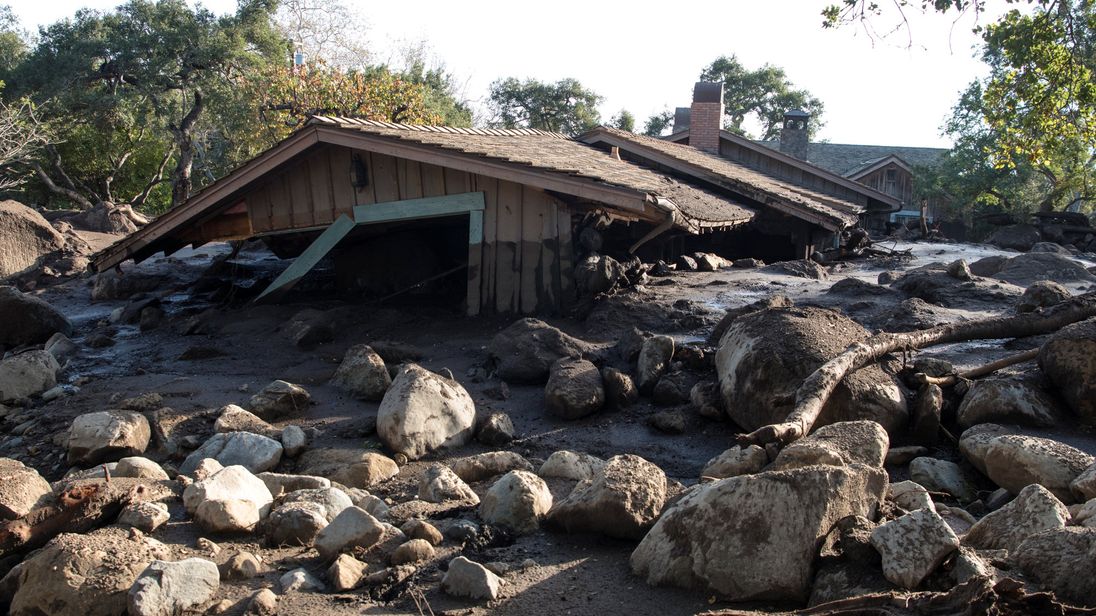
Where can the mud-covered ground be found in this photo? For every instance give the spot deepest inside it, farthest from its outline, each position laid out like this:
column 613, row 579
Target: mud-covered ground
column 553, row 573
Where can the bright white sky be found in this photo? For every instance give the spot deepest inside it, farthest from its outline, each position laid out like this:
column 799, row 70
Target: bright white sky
column 646, row 56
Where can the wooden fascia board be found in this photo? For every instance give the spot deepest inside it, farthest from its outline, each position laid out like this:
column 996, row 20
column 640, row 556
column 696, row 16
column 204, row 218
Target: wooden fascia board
column 780, row 204
column 617, row 196
column 808, row 167
column 172, row 219
column 890, row 158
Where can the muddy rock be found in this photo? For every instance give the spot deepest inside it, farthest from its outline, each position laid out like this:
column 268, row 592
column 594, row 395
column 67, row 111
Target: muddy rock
column 167, row 588
column 673, row 388
column 974, row 442
column 241, row 565
column 705, row 397
column 294, row 440
column 1055, row 560
column 525, row 351
column 1034, row 510
column 295, row 523
column 764, row 356
column 518, row 501
column 111, row 285
column 1016, row 461
column 352, row 528
column 465, row 578
column 25, row 319
column 1066, row 359
column 440, row 484
column 413, row 551
column 574, row 389
column 598, row 274
column 1009, row 400
column 280, row 483
column 913, row 314
column 736, row 461
column 1032, row 267
column 332, row 501
column 1084, row 486
column 670, row 421
column 21, row 489
column 82, row 575
column 309, row 328
column 254, row 452
column 848, row 565
column 959, row 269
column 778, row 300
column 232, row 418
column 497, row 429
column 775, row 521
column 620, row 389
column 654, row 361
column 943, row 476
column 26, row 239
column 622, row 500
column 106, row 436
column 141, row 468
column 27, row 374
column 363, row 374
column 299, row 580
column 935, row 286
column 1042, row 294
column 61, row 347
column 570, row 465
column 280, row 399
column 144, row 516
column 245, row 500
column 486, row 465
column 913, row 546
column 846, row 442
column 346, row 573
column 1017, row 237
column 802, row 268
column 263, row 603
column 910, row 495
column 420, row 529
column 351, row 467
column 422, row 412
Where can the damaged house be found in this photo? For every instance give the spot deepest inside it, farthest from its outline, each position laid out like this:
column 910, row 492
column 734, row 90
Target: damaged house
column 497, row 213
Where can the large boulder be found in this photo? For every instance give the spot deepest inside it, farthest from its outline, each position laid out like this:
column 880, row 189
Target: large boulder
column 764, row 357
column 1017, row 237
column 846, row 442
column 21, row 489
column 943, row 476
column 280, row 399
column 229, row 500
column 353, row 468
column 755, row 537
column 424, row 411
column 525, row 351
column 574, row 389
column 1008, row 400
column 913, row 546
column 1069, row 360
column 439, row 484
column 107, row 436
column 1042, row 294
column 362, row 373
column 27, row 374
column 82, row 575
column 232, row 418
column 974, row 443
column 653, row 362
column 353, row 528
column 26, row 238
column 736, row 461
column 565, row 464
column 1062, row 561
column 465, row 578
column 622, row 500
column 1027, row 269
column 1034, row 510
column 1016, row 461
column 168, row 588
column 295, row 523
column 935, row 285
column 486, row 465
column 517, row 501
column 254, row 452
column 25, row 319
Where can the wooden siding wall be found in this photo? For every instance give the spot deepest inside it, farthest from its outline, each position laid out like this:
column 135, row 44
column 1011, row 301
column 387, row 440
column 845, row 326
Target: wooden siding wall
column 790, row 173
column 526, row 265
column 901, row 188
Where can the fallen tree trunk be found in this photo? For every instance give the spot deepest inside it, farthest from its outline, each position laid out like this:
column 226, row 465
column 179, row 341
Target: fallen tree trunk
column 78, row 510
column 817, row 388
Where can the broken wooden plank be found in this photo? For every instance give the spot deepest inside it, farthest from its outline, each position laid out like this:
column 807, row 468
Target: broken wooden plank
column 310, row 257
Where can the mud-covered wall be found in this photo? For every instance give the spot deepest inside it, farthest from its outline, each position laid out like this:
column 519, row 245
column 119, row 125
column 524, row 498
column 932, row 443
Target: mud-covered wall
column 526, row 264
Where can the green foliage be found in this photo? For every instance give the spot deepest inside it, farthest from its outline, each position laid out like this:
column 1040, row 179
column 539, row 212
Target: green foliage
column 765, row 94
column 439, row 88
column 658, row 124
column 565, row 106
column 624, row 120
column 12, row 42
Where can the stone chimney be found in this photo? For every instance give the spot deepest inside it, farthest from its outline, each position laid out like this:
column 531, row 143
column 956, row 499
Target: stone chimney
column 706, row 116
column 681, row 119
column 793, row 135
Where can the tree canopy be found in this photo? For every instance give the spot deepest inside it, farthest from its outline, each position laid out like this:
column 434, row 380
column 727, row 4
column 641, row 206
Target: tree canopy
column 564, row 106
column 763, row 94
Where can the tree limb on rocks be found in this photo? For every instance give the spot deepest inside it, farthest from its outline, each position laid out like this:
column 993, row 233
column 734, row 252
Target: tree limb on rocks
column 817, row 388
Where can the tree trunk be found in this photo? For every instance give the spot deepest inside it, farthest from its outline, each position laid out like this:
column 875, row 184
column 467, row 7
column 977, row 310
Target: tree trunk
column 184, row 134
column 817, row 388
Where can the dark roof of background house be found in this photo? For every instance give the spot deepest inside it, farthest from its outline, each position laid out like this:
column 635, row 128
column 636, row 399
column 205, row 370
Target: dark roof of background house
column 847, row 158
column 556, row 153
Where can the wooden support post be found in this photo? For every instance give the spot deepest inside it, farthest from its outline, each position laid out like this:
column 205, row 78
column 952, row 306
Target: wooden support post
column 309, row 258
column 475, row 260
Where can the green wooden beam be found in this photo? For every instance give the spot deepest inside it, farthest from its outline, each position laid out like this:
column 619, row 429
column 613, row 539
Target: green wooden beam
column 414, row 209
column 310, row 257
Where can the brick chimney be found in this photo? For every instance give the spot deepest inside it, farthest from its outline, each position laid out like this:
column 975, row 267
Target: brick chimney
column 706, row 116
column 793, row 135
